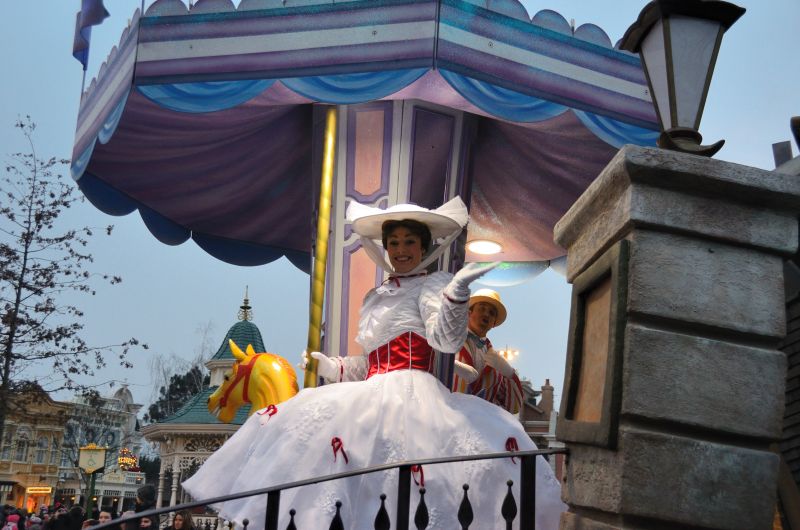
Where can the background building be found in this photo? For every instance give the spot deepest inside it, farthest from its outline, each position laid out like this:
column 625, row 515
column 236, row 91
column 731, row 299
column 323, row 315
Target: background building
column 31, row 449
column 110, row 423
column 538, row 418
column 789, row 478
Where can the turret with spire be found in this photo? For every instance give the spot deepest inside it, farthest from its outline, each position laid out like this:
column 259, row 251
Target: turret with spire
column 245, row 311
column 195, row 411
column 244, row 332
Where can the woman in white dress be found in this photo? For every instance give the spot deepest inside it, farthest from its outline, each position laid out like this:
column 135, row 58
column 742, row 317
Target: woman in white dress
column 387, row 406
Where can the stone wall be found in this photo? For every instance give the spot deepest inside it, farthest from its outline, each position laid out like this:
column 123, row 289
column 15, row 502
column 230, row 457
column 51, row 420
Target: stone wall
column 674, row 392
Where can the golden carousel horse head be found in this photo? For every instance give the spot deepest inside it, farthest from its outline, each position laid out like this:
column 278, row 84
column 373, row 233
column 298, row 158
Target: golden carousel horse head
column 261, row 379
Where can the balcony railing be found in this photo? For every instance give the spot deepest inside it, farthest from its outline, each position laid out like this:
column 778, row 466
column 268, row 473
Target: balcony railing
column 464, row 515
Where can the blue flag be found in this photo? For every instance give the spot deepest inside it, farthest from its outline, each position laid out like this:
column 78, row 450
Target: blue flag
column 91, row 14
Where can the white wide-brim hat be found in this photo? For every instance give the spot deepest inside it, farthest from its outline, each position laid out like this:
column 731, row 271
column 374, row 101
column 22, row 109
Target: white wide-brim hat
column 442, row 222
column 445, row 223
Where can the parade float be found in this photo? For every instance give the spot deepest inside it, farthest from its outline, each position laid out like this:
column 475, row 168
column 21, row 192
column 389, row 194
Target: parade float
column 250, row 128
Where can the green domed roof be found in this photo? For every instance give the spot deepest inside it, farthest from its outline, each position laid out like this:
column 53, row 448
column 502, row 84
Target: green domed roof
column 196, row 411
column 242, row 333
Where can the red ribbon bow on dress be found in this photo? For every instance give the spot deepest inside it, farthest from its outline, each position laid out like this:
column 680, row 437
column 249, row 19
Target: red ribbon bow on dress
column 417, row 470
column 337, row 445
column 511, row 445
column 270, row 411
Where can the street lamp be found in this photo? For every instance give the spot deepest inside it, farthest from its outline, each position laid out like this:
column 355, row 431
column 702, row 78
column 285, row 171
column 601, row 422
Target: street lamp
column 509, row 354
column 678, row 41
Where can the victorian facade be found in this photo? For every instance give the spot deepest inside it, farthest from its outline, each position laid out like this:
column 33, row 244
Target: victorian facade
column 30, row 452
column 39, row 453
column 111, row 423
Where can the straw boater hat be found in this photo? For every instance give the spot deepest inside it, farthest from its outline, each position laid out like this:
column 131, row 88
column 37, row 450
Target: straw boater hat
column 445, row 223
column 493, row 298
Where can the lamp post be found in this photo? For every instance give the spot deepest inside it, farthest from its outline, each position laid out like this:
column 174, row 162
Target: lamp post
column 92, row 460
column 509, row 354
column 678, row 42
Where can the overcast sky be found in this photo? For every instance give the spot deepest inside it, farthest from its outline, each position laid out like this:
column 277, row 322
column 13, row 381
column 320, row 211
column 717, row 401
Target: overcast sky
column 169, row 292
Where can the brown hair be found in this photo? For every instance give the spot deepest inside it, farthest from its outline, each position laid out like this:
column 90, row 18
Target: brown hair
column 417, row 228
column 186, row 515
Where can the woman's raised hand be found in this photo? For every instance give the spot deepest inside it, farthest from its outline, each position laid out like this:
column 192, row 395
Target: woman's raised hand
column 458, row 288
column 327, row 368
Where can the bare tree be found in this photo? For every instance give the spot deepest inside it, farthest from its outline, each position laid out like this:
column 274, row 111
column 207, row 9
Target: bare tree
column 176, row 380
column 42, row 265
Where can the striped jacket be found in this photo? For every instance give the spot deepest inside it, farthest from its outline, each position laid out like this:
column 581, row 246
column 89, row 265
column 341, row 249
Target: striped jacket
column 491, row 384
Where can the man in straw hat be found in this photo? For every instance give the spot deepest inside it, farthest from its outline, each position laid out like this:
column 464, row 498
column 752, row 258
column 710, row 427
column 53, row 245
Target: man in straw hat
column 497, row 381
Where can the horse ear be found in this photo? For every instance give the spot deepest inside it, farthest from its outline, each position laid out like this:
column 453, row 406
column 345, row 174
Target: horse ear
column 236, row 351
column 250, row 350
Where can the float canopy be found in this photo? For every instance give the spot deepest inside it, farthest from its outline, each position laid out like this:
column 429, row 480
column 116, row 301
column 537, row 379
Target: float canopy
column 203, row 120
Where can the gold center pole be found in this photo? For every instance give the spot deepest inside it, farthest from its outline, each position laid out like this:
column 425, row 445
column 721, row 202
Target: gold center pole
column 321, row 246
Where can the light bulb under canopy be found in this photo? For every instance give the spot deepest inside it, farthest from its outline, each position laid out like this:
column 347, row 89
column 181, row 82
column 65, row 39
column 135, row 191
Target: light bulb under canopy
column 484, row 246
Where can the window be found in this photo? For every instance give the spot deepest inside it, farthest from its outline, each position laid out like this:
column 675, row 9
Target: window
column 5, row 452
column 65, row 457
column 21, row 454
column 41, row 449
column 54, row 452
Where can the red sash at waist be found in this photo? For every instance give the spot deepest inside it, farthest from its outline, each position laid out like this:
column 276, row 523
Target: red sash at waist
column 408, row 351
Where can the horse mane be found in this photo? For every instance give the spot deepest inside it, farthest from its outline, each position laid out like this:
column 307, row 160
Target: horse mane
column 283, row 362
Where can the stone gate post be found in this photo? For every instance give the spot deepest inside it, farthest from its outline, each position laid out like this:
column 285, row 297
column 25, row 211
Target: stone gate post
column 674, row 385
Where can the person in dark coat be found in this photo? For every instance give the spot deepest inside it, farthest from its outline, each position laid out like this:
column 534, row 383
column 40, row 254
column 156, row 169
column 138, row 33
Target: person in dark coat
column 145, row 498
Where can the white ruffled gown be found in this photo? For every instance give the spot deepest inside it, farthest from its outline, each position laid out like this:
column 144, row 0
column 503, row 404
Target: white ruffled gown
column 404, row 414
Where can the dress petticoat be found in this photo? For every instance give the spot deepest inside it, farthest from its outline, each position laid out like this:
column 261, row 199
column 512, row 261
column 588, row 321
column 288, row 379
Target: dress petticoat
column 393, row 417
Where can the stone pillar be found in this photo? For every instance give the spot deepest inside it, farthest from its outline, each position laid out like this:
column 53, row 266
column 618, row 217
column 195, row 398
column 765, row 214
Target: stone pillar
column 120, row 502
column 674, row 386
column 176, row 474
column 160, row 497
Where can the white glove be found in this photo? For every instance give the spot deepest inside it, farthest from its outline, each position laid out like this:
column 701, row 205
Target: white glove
column 458, row 288
column 327, row 368
column 496, row 361
column 465, row 371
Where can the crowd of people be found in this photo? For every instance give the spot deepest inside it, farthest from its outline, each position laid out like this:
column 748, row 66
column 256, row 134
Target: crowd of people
column 55, row 517
column 59, row 517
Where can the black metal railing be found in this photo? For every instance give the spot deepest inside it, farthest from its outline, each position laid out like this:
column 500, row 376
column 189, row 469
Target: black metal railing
column 508, row 512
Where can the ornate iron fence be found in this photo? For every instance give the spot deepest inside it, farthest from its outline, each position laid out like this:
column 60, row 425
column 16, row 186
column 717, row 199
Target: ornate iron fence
column 508, row 513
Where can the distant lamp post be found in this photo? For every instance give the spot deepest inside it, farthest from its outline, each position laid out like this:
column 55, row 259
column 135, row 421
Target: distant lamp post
column 92, row 460
column 678, row 41
column 509, row 354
